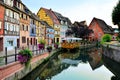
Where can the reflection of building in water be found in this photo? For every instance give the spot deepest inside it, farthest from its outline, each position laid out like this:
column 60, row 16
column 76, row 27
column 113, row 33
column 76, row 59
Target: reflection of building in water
column 96, row 59
column 69, row 55
column 52, row 69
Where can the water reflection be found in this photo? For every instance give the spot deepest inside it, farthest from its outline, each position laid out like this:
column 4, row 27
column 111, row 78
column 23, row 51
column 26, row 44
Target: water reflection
column 113, row 66
column 64, row 61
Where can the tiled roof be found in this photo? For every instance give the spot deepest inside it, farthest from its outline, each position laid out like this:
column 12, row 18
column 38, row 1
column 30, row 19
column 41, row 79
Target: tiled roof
column 52, row 15
column 80, row 24
column 46, row 24
column 61, row 17
column 106, row 28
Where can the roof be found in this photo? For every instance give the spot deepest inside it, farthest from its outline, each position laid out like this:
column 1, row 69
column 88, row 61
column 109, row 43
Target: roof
column 62, row 18
column 52, row 15
column 46, row 24
column 80, row 24
column 106, row 28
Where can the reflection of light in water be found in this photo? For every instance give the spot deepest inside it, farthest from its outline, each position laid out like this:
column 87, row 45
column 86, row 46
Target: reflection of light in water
column 84, row 72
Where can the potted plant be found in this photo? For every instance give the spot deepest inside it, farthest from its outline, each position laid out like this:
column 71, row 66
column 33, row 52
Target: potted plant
column 49, row 48
column 41, row 44
column 24, row 56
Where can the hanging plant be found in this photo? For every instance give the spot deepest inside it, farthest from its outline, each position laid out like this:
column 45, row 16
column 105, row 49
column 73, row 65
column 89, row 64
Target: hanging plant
column 24, row 56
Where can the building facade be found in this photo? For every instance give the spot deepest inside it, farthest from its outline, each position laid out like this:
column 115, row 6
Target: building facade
column 2, row 12
column 11, row 25
column 49, row 34
column 32, row 30
column 99, row 28
column 49, row 16
column 24, row 25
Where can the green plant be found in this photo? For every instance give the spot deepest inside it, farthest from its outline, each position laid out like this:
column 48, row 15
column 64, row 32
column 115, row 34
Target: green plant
column 24, row 56
column 106, row 38
column 57, row 43
column 41, row 41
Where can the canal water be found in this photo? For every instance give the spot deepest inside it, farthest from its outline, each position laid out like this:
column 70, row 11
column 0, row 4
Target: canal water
column 82, row 65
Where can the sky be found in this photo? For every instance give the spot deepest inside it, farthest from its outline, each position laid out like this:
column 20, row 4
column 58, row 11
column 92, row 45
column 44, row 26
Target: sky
column 77, row 10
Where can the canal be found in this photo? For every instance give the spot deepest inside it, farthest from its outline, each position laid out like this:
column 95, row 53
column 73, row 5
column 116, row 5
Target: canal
column 81, row 65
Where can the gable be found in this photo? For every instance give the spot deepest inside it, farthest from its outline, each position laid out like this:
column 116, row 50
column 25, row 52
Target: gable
column 44, row 16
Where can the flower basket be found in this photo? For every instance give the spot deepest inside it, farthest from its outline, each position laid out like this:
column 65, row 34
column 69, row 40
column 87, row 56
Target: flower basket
column 24, row 56
column 41, row 46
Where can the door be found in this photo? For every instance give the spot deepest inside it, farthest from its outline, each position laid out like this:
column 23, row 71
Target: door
column 1, row 44
column 18, row 43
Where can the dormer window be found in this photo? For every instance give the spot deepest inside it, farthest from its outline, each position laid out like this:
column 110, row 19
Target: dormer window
column 61, row 22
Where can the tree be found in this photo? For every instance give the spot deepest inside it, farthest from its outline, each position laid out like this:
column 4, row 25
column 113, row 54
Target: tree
column 116, row 15
column 78, row 31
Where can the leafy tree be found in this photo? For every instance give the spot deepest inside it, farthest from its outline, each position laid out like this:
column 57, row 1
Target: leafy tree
column 69, row 32
column 78, row 31
column 116, row 15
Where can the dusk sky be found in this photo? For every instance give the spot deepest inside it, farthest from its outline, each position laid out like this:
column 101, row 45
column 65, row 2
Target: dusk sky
column 77, row 10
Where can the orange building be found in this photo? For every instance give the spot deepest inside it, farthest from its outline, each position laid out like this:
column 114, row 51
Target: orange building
column 2, row 12
column 99, row 28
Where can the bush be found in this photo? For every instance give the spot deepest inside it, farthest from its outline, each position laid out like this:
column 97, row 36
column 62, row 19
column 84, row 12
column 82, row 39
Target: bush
column 106, row 38
column 24, row 56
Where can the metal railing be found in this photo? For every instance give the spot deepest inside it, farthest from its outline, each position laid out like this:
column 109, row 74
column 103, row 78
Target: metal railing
column 9, row 58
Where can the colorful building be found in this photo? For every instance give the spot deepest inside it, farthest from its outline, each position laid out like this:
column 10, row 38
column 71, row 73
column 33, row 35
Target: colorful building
column 49, row 33
column 49, row 16
column 65, row 23
column 99, row 28
column 33, row 29
column 11, row 25
column 2, row 12
column 24, row 24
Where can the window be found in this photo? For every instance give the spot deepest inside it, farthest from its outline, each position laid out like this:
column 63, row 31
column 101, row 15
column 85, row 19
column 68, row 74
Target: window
column 32, row 31
column 0, row 25
column 10, row 42
column 26, row 28
column 22, row 15
column 23, row 27
column 7, row 12
column 23, row 39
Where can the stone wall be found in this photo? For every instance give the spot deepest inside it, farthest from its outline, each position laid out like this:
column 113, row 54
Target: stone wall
column 112, row 52
column 16, row 70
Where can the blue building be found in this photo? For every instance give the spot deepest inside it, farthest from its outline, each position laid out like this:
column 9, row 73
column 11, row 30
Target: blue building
column 32, row 40
column 49, row 33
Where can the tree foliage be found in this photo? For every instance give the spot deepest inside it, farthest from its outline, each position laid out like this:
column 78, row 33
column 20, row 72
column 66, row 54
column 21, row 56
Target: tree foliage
column 81, row 32
column 116, row 15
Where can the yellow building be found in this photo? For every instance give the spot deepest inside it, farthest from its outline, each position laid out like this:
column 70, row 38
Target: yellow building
column 49, row 16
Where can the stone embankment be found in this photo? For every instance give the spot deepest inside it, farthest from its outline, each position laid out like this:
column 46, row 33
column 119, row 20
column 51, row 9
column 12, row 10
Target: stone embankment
column 16, row 70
